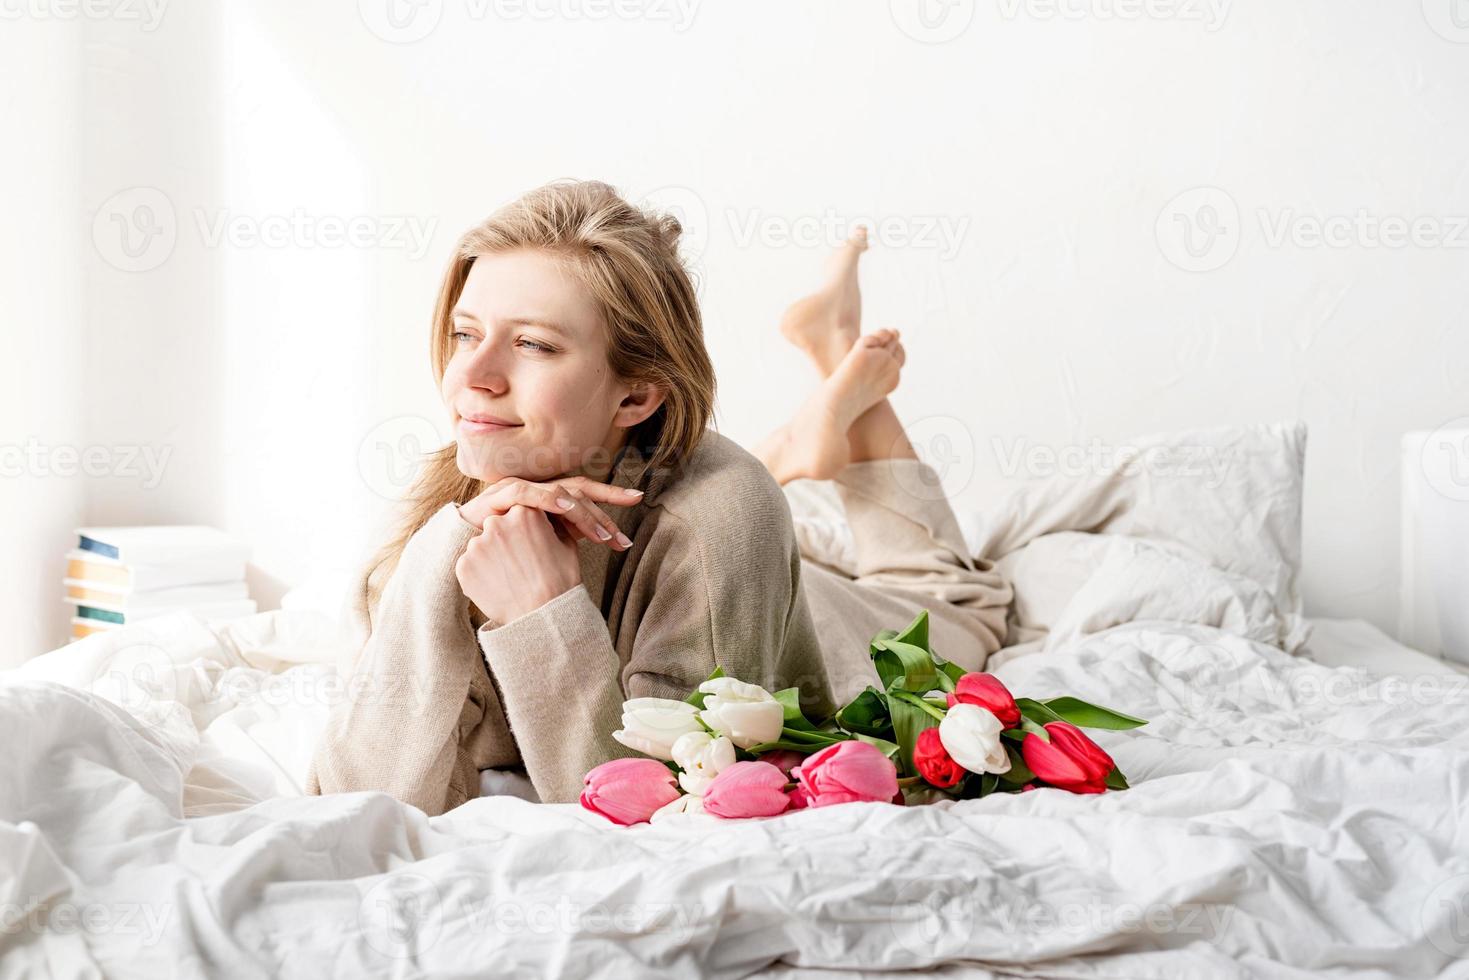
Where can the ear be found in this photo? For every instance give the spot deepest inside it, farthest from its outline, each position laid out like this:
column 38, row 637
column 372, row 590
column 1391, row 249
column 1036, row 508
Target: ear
column 641, row 401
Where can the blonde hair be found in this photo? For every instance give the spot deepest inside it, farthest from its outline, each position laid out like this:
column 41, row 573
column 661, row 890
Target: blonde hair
column 627, row 258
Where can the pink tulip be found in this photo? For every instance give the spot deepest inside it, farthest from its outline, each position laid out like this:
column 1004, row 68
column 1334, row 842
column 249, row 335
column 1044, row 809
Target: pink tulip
column 847, row 772
column 747, row 789
column 628, row 791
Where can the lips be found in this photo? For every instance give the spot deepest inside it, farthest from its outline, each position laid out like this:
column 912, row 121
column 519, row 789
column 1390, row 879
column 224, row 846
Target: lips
column 487, row 419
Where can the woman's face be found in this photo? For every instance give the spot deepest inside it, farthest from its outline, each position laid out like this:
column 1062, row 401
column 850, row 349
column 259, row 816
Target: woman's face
column 529, row 388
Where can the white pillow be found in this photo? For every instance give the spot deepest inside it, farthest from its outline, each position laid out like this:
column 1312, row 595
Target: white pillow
column 1229, row 497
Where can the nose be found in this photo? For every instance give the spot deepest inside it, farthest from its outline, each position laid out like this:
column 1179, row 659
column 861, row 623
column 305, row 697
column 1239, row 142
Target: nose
column 489, row 367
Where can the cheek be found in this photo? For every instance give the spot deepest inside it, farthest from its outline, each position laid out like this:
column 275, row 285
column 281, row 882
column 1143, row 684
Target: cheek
column 452, row 383
column 571, row 402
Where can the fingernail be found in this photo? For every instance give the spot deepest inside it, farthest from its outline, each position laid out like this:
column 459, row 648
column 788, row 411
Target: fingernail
column 603, row 533
column 624, row 540
column 635, row 493
column 563, row 502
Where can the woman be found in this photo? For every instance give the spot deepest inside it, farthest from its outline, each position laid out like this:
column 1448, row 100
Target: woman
column 587, row 539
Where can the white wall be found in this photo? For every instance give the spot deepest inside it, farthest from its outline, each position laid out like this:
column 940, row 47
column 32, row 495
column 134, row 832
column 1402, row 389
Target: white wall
column 41, row 252
column 1027, row 170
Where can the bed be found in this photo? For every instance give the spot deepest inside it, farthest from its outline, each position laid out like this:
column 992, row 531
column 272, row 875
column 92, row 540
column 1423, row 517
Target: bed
column 1298, row 808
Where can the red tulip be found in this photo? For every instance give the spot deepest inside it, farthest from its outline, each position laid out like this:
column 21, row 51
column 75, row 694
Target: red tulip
column 627, row 791
column 934, row 762
column 747, row 789
column 1069, row 760
column 847, row 772
column 987, row 691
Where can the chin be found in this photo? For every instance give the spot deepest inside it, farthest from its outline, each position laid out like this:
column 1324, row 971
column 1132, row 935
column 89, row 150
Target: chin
column 468, row 458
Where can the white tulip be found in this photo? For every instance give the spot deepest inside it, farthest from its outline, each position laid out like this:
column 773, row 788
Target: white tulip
column 746, row 713
column 686, row 803
column 971, row 735
column 652, row 725
column 701, row 756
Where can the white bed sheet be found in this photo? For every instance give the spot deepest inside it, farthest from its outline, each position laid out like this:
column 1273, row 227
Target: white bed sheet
column 1357, row 643
column 1286, row 819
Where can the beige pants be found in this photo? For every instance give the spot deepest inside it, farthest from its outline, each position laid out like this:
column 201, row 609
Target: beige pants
column 910, row 556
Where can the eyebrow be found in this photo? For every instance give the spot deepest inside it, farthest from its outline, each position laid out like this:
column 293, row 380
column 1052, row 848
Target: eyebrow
column 529, row 321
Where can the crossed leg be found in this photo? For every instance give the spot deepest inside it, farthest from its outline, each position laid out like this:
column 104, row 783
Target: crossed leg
column 848, row 419
column 909, row 552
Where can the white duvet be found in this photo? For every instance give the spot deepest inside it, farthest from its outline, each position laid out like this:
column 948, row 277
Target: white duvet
column 1286, row 819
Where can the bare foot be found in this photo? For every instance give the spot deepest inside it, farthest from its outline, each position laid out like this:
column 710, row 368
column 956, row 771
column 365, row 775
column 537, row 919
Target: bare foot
column 814, row 444
column 827, row 323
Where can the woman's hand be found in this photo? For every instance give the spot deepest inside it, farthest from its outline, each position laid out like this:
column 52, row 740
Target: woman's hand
column 579, row 515
column 517, row 564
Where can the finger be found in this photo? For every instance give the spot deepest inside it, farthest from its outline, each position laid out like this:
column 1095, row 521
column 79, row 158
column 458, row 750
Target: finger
column 569, row 528
column 564, row 500
column 604, row 528
column 604, row 492
column 594, row 521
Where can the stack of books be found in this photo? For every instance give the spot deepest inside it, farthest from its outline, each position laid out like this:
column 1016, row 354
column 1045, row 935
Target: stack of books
column 120, row 575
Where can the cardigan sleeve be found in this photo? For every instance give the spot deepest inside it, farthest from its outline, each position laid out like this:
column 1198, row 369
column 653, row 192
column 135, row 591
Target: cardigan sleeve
column 560, row 678
column 409, row 698
column 726, row 596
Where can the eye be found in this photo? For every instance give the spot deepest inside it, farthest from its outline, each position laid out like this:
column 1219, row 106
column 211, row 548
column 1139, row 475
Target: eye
column 459, row 336
column 542, row 348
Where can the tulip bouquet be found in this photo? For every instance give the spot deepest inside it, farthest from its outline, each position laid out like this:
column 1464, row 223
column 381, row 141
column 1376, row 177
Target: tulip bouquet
column 933, row 731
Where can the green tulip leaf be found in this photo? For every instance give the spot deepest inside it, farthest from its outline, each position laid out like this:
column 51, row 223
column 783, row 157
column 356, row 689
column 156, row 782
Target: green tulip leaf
column 1019, row 773
column 947, row 676
column 915, row 632
column 903, row 666
column 816, row 739
column 884, row 746
column 790, row 701
column 1115, row 779
column 1036, row 711
column 1084, row 715
column 1031, row 728
column 866, row 714
column 908, row 721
